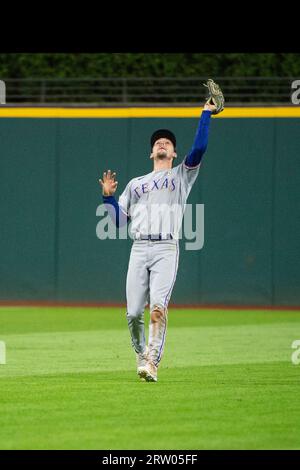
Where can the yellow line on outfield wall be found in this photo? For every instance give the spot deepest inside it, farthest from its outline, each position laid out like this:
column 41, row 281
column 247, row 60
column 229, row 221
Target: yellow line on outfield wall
column 159, row 112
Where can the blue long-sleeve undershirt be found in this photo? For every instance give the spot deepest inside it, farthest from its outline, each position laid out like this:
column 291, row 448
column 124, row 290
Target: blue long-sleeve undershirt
column 115, row 212
column 194, row 158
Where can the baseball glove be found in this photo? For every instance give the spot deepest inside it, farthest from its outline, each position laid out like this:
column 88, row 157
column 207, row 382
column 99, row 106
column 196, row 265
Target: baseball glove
column 215, row 96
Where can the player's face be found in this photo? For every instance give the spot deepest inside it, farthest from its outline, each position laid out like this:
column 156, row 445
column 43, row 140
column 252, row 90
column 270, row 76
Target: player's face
column 163, row 149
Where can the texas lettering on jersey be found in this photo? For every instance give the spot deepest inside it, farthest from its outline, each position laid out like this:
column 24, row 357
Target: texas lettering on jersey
column 155, row 185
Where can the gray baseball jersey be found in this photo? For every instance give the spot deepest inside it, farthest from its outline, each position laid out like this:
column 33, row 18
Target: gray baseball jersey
column 155, row 202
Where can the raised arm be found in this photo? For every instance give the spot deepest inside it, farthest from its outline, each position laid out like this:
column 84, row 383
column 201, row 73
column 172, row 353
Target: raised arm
column 109, row 187
column 193, row 159
column 213, row 105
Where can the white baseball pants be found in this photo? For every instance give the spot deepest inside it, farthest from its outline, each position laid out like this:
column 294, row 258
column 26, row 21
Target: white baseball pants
column 151, row 276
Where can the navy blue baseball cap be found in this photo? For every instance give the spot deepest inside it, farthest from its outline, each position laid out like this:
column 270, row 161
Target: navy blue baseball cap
column 163, row 133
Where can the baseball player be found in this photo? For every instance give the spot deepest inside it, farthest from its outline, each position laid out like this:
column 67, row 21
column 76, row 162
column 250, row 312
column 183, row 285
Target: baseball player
column 146, row 204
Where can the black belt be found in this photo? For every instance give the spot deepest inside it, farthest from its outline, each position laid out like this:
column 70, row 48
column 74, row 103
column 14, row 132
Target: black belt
column 167, row 236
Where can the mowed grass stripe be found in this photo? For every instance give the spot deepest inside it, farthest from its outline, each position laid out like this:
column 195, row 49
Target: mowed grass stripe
column 209, row 407
column 226, row 382
column 107, row 350
column 52, row 319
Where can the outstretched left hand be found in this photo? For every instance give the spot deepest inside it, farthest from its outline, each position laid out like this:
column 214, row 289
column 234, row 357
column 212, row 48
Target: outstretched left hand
column 209, row 107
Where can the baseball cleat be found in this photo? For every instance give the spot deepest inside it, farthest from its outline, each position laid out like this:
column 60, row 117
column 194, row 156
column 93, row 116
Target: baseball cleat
column 141, row 361
column 148, row 372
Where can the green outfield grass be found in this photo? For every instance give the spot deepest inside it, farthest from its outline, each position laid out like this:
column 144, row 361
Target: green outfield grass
column 226, row 381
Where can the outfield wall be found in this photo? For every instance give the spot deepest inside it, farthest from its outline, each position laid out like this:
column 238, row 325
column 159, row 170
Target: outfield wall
column 249, row 183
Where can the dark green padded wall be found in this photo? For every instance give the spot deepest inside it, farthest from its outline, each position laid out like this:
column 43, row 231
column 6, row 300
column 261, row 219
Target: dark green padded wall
column 249, row 183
